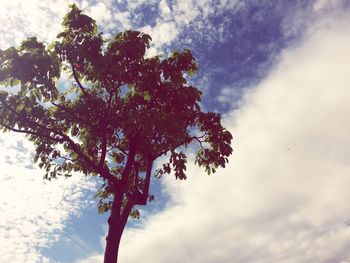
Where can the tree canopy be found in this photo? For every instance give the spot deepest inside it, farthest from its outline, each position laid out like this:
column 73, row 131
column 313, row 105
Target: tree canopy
column 122, row 111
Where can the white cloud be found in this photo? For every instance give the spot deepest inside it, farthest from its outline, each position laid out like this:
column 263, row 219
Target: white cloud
column 284, row 196
column 185, row 11
column 229, row 94
column 101, row 12
column 163, row 33
column 33, row 211
column 134, row 4
column 108, row 17
column 165, row 11
column 180, row 15
column 20, row 19
column 318, row 5
column 124, row 19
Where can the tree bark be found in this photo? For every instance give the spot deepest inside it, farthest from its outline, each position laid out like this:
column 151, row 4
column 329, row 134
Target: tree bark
column 118, row 218
column 112, row 242
column 116, row 223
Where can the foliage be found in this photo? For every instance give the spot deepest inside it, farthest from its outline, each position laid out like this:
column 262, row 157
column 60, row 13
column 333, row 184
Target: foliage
column 122, row 111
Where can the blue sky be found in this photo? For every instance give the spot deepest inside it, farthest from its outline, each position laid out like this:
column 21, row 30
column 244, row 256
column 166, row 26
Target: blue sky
column 278, row 71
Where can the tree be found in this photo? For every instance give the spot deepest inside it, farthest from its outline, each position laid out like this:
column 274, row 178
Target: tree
column 122, row 111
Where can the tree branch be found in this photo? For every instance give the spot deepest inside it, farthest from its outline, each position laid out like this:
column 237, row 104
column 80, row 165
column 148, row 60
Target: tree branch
column 104, row 132
column 30, row 132
column 126, row 211
column 189, row 140
column 67, row 110
column 104, row 173
column 117, row 147
column 130, row 161
column 200, row 142
column 143, row 199
column 78, row 81
column 178, row 145
column 67, row 158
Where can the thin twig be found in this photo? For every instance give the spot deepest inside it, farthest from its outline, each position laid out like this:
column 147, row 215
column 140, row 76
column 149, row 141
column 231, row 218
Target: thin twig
column 30, row 132
column 67, row 110
column 200, row 142
column 78, row 81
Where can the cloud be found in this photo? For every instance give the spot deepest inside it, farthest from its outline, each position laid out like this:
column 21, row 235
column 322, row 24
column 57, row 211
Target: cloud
column 319, row 5
column 176, row 17
column 229, row 94
column 101, row 12
column 163, row 33
column 20, row 19
column 33, row 212
column 283, row 197
column 109, row 17
column 165, row 11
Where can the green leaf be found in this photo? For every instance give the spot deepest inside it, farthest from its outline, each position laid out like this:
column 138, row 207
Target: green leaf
column 20, row 106
column 146, row 96
column 38, row 95
column 32, row 96
column 51, row 46
column 3, row 95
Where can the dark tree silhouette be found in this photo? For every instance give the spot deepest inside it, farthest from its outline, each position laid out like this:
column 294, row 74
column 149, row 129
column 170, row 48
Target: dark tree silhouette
column 122, row 111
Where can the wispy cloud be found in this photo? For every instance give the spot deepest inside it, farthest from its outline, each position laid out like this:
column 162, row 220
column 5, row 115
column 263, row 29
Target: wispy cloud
column 283, row 197
column 19, row 19
column 33, row 212
column 176, row 17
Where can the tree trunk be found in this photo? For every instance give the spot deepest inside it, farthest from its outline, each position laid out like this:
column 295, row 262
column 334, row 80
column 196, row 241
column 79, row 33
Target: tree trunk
column 115, row 232
column 118, row 218
column 116, row 226
column 116, row 221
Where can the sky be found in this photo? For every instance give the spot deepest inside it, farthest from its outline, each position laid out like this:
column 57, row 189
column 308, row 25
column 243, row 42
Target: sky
column 277, row 71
